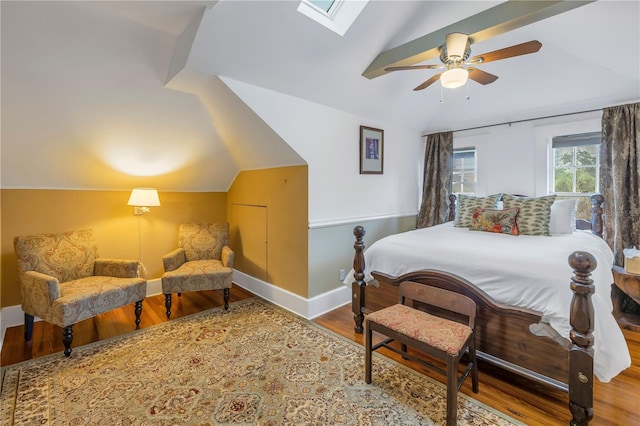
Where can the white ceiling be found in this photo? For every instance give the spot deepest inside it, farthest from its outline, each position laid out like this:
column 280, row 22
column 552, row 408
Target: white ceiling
column 89, row 77
column 590, row 58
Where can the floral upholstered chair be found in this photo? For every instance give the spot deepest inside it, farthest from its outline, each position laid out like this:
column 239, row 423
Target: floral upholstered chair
column 64, row 281
column 203, row 261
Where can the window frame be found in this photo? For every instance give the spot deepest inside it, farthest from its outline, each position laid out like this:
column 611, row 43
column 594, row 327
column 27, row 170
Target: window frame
column 574, row 141
column 463, row 150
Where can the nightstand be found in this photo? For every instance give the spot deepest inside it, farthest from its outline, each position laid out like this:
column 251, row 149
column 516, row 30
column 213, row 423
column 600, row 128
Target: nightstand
column 625, row 294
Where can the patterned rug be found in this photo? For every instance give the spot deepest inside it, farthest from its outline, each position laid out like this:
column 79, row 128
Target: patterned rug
column 255, row 364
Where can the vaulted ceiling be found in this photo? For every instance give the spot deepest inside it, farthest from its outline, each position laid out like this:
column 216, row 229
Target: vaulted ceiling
column 87, row 87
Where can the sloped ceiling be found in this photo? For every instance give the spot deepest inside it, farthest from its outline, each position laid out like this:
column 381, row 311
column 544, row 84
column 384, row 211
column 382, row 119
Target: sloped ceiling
column 87, row 101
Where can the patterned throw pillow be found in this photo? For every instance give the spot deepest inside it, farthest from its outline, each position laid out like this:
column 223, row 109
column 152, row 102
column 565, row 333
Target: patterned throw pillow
column 534, row 215
column 468, row 203
column 500, row 221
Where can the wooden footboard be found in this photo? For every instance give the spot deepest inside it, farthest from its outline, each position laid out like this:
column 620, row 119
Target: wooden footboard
column 504, row 337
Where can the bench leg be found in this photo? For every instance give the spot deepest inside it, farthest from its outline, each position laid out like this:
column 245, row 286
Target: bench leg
column 28, row 327
column 474, row 372
column 138, row 311
column 367, row 354
column 67, row 338
column 167, row 304
column 452, row 391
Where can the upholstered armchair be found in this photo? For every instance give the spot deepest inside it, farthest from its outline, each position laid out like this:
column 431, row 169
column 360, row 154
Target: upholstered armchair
column 63, row 281
column 203, row 261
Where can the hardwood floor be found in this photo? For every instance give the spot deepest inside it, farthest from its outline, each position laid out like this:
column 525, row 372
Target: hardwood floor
column 615, row 403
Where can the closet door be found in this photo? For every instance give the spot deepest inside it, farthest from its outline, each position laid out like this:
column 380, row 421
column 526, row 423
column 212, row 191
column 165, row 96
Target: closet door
column 248, row 235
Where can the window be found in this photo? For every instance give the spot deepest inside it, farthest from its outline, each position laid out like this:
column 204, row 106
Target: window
column 324, row 5
column 464, row 171
column 337, row 15
column 575, row 161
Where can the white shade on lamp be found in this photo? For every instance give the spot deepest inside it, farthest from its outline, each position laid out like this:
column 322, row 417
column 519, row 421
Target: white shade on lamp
column 454, row 77
column 142, row 199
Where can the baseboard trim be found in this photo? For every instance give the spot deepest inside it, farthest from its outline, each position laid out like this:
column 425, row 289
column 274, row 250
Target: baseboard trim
column 12, row 316
column 307, row 308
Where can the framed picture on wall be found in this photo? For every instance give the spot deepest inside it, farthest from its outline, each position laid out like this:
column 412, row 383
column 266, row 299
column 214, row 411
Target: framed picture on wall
column 371, row 150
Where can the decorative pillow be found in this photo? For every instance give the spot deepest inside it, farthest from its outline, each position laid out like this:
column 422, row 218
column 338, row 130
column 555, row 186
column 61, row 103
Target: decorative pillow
column 563, row 216
column 500, row 221
column 534, row 215
column 468, row 203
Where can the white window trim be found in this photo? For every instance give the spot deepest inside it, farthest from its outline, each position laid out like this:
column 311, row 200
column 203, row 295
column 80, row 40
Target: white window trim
column 475, row 167
column 544, row 133
column 342, row 14
column 551, row 177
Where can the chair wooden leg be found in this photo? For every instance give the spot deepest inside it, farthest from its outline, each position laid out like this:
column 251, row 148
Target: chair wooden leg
column 452, row 391
column 226, row 298
column 67, row 338
column 28, row 327
column 138, row 311
column 167, row 304
column 367, row 354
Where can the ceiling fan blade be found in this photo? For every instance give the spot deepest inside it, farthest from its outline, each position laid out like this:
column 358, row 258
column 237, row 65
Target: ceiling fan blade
column 414, row 67
column 480, row 76
column 508, row 52
column 429, row 82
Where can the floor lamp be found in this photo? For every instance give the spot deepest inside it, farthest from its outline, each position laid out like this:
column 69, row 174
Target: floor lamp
column 141, row 199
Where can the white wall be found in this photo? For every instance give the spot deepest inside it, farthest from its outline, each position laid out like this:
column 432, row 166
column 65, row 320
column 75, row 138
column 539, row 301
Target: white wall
column 328, row 140
column 339, row 196
column 513, row 158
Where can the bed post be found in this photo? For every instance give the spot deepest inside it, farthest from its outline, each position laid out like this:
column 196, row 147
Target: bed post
column 596, row 214
column 359, row 285
column 581, row 352
column 452, row 207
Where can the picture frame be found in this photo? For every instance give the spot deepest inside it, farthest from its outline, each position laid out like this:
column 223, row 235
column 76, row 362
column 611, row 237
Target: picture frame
column 371, row 151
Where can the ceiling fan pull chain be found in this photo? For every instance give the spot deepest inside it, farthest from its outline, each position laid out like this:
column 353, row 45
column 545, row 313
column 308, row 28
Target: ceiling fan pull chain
column 441, row 95
column 468, row 90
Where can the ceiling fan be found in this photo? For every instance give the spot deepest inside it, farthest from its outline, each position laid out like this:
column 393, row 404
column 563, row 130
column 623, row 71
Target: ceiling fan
column 454, row 55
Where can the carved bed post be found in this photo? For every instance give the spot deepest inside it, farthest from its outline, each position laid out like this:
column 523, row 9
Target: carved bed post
column 359, row 285
column 452, row 207
column 581, row 352
column 596, row 214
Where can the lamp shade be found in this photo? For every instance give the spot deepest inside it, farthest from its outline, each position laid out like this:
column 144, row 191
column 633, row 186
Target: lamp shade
column 144, row 197
column 454, row 77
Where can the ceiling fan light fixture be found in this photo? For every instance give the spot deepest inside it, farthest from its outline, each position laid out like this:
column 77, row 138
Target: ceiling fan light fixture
column 454, row 77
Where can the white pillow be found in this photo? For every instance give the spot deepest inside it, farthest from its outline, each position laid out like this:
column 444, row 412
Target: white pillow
column 563, row 216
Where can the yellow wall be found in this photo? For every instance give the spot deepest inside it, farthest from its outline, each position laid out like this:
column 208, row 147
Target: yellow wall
column 116, row 228
column 284, row 193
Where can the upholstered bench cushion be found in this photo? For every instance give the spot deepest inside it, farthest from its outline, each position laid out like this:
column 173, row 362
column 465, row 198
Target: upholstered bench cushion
column 197, row 275
column 87, row 297
column 440, row 333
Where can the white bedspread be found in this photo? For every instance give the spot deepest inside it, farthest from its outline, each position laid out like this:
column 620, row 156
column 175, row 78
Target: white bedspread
column 526, row 271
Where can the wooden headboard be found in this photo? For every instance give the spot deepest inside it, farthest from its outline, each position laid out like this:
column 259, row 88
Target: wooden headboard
column 595, row 226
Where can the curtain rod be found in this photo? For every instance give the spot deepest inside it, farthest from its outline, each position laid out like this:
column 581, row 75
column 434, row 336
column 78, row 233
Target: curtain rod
column 522, row 121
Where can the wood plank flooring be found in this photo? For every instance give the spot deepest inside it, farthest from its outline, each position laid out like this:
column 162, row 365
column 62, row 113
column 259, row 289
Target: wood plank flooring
column 615, row 403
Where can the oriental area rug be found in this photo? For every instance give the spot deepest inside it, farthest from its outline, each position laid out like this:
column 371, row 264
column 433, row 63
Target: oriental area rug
column 255, row 364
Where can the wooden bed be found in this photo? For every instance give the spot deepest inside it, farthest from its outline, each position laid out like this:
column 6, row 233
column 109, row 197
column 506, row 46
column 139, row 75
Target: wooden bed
column 504, row 338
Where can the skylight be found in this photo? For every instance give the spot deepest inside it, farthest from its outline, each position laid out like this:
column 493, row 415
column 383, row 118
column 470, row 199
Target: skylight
column 324, row 5
column 337, row 15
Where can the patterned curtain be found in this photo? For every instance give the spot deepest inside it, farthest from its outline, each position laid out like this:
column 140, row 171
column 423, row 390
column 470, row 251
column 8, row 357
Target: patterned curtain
column 437, row 182
column 620, row 177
